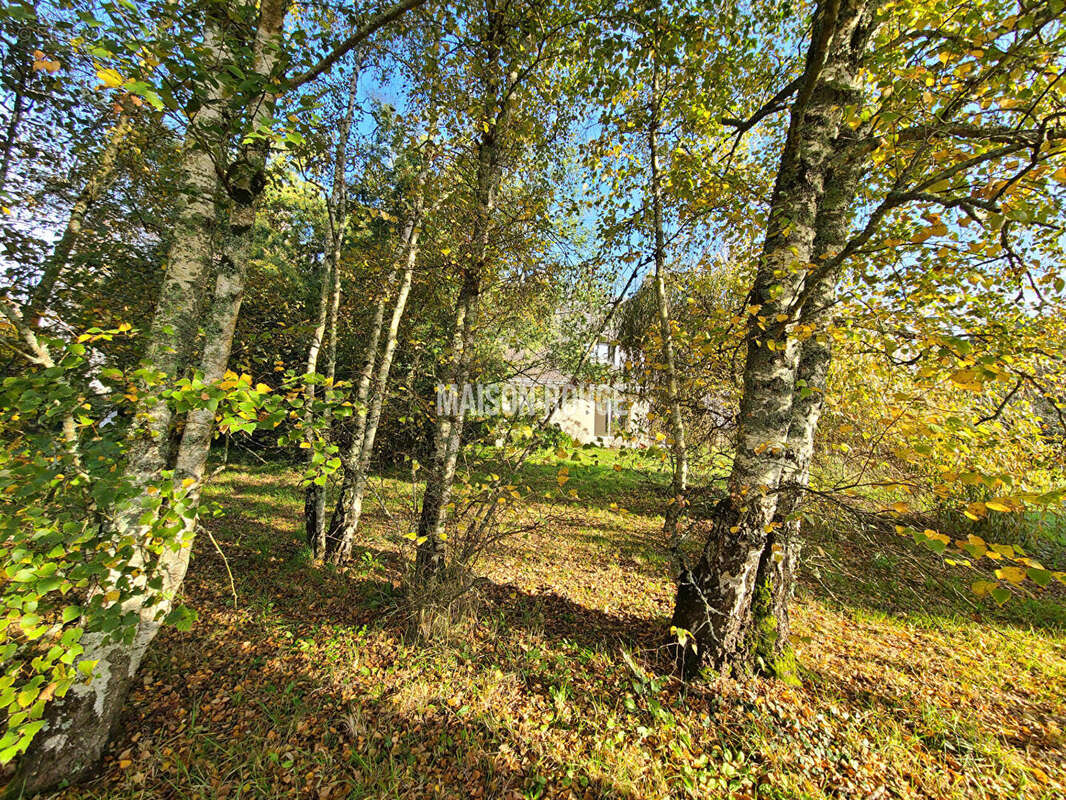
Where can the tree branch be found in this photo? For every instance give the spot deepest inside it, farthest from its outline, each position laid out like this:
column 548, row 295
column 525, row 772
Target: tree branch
column 375, row 24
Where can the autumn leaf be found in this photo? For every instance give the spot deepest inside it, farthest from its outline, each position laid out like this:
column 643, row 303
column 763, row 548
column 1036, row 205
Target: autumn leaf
column 41, row 63
column 1013, row 574
column 109, row 78
column 1041, row 577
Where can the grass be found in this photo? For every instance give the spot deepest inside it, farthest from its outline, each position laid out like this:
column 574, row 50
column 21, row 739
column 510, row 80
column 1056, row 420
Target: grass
column 306, row 687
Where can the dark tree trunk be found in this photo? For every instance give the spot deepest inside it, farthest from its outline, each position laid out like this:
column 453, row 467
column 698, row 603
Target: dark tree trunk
column 497, row 97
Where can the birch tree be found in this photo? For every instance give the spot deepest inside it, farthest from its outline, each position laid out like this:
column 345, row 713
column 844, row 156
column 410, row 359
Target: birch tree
column 78, row 724
column 496, row 80
column 328, row 304
column 357, row 455
column 730, row 606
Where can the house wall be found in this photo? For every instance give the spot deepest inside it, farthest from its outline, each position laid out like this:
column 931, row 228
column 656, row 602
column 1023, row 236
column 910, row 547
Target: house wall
column 578, row 420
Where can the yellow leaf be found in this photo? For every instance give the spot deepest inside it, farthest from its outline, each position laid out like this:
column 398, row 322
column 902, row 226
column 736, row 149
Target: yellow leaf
column 997, row 504
column 1013, row 574
column 109, row 78
column 305, row 445
column 1059, row 175
column 900, row 507
column 262, row 388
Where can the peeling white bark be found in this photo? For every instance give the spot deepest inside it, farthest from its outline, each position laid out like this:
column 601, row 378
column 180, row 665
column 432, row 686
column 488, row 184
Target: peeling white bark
column 724, row 579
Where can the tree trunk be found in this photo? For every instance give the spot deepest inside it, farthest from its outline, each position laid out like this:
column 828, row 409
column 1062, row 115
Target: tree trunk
column 447, row 439
column 188, row 262
column 78, row 725
column 357, row 461
column 776, row 579
column 327, row 540
column 90, row 193
column 679, row 477
column 318, row 335
column 497, row 98
column 715, row 599
column 328, row 305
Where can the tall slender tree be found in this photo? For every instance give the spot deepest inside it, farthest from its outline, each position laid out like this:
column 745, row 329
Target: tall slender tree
column 325, row 329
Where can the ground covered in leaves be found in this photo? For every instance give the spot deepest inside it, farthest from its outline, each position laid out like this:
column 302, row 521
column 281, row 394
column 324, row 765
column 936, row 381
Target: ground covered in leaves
column 303, row 681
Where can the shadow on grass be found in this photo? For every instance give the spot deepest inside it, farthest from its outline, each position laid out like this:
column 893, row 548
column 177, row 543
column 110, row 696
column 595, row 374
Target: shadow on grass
column 307, row 689
column 253, row 701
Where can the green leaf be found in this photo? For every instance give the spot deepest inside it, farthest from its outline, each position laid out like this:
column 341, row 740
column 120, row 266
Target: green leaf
column 181, row 617
column 1041, row 577
column 1001, row 594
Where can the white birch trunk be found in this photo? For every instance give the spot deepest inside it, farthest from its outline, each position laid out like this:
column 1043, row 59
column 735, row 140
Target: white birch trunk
column 328, row 306
column 349, row 509
column 78, row 725
column 714, row 601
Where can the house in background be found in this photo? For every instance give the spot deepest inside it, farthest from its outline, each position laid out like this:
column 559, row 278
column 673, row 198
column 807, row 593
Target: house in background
column 607, row 414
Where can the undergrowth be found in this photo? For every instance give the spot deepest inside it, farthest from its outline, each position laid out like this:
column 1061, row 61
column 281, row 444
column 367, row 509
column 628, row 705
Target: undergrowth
column 551, row 681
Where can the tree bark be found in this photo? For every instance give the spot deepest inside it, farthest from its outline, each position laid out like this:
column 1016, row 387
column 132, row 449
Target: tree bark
column 776, row 577
column 356, row 461
column 679, row 476
column 100, row 179
column 188, row 262
column 328, row 305
column 715, row 598
column 497, row 98
column 447, row 438
column 79, row 725
column 326, row 541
